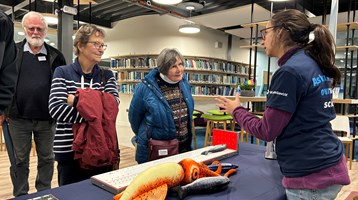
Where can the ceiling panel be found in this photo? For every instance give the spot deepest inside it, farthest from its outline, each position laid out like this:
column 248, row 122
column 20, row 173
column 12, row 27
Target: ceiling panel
column 225, row 15
column 233, row 17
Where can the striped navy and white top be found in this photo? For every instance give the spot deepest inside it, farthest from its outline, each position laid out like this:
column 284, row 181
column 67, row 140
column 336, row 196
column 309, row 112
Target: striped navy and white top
column 66, row 80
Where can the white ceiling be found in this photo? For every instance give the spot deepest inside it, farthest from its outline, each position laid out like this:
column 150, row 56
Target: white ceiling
column 242, row 15
column 234, row 17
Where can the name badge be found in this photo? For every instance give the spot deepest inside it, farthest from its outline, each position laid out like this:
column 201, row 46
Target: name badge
column 41, row 58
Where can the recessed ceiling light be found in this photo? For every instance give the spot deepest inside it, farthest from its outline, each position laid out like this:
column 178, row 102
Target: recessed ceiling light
column 46, row 40
column 20, row 33
column 167, row 2
column 190, row 6
column 52, row 44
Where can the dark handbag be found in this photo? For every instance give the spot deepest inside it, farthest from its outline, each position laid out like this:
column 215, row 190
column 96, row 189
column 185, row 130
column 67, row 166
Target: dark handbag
column 162, row 148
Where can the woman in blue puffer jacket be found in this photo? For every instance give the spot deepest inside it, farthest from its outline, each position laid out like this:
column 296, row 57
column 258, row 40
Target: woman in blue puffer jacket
column 162, row 105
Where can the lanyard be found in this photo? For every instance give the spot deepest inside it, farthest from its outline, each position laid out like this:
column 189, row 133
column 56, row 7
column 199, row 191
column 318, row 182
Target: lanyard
column 83, row 82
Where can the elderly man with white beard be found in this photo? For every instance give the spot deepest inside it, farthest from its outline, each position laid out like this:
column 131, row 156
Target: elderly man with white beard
column 28, row 113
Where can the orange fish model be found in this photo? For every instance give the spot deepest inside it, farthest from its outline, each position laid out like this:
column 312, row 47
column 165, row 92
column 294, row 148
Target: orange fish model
column 153, row 183
column 194, row 170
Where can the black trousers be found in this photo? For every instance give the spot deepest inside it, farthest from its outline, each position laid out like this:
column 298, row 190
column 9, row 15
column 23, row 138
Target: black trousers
column 71, row 172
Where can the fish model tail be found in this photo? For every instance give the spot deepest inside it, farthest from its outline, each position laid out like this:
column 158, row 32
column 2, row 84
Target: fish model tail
column 179, row 191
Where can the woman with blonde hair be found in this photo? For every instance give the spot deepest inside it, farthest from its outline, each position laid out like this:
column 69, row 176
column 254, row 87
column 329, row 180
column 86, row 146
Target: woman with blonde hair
column 84, row 73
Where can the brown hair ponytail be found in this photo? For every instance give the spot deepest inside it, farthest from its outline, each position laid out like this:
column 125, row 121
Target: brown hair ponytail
column 322, row 50
column 320, row 45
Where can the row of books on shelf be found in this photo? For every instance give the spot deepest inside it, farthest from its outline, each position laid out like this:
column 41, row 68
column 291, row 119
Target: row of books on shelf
column 213, row 90
column 192, row 77
column 197, row 77
column 140, row 62
column 215, row 66
column 199, row 64
column 195, row 90
column 133, row 75
column 126, row 88
column 214, row 78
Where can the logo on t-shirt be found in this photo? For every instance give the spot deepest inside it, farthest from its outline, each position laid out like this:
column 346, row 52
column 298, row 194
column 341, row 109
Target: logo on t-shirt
column 317, row 81
column 277, row 93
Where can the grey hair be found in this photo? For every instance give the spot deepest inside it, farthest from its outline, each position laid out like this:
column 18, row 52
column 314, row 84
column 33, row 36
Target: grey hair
column 34, row 14
column 167, row 58
column 83, row 34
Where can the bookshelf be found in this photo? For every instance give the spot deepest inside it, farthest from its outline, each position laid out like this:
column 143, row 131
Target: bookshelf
column 254, row 47
column 346, row 58
column 207, row 76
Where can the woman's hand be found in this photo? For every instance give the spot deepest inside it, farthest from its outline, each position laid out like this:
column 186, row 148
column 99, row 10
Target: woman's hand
column 228, row 105
column 70, row 99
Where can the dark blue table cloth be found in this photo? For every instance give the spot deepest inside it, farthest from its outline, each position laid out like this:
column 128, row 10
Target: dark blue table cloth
column 257, row 178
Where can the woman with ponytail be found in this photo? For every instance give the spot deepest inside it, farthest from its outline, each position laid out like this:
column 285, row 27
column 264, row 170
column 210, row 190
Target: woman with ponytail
column 299, row 107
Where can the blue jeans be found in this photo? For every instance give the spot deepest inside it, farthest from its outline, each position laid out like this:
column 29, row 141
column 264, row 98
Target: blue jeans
column 328, row 193
column 21, row 131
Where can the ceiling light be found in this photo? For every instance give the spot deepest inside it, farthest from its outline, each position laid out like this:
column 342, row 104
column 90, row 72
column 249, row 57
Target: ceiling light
column 278, row 0
column 189, row 28
column 20, row 33
column 167, row 2
column 190, row 6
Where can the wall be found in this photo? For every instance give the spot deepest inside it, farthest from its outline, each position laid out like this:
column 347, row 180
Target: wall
column 151, row 33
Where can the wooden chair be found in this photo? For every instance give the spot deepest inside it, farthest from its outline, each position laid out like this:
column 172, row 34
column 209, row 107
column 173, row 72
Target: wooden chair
column 341, row 124
column 196, row 114
column 243, row 132
column 193, row 131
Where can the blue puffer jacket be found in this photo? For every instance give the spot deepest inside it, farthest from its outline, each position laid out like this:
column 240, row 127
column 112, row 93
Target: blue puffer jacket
column 149, row 112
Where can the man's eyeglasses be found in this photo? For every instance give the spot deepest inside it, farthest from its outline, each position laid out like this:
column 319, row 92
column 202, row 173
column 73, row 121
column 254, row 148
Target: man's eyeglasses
column 33, row 29
column 263, row 32
column 99, row 45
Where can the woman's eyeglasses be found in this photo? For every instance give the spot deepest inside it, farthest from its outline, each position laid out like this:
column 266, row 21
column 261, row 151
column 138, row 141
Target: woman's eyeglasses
column 263, row 32
column 98, row 45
